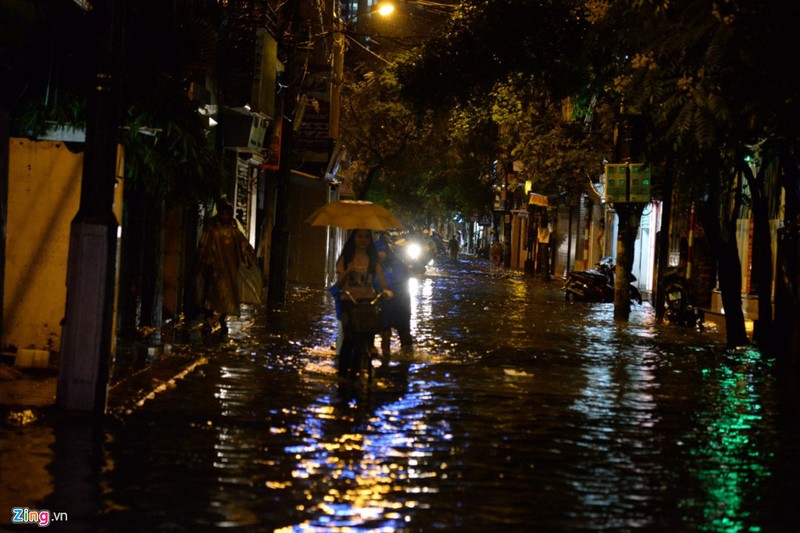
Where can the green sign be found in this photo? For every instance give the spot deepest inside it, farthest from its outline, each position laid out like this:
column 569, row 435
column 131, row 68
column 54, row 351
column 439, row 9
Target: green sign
column 616, row 189
column 627, row 183
column 639, row 183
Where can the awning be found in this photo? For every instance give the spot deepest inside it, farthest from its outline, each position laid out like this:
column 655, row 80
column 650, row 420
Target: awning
column 537, row 199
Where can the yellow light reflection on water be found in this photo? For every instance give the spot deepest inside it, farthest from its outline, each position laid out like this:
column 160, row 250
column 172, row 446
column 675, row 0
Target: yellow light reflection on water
column 354, row 465
column 25, row 476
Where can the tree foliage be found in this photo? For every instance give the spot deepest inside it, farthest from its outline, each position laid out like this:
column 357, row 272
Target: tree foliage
column 487, row 41
column 561, row 145
column 415, row 163
column 167, row 149
column 168, row 152
column 462, row 101
column 710, row 79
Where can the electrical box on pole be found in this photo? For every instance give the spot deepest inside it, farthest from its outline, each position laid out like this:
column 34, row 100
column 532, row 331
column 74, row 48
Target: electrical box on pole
column 639, row 190
column 627, row 183
column 616, row 189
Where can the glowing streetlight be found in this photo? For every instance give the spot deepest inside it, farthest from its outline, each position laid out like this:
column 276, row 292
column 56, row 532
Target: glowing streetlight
column 385, row 9
column 337, row 79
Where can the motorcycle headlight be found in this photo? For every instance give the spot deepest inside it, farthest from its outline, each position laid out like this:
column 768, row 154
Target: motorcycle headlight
column 413, row 250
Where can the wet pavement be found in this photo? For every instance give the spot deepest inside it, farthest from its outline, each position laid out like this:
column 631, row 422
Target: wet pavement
column 517, row 411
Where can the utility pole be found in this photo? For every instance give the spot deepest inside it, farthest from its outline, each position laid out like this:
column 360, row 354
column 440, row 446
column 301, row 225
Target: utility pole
column 507, row 204
column 629, row 215
column 88, row 333
column 279, row 255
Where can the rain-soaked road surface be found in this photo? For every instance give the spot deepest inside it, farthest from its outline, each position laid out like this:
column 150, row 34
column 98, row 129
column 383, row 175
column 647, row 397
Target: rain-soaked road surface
column 518, row 411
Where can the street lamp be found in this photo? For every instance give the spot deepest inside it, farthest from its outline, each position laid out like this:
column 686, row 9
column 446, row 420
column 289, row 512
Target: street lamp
column 337, row 67
column 385, row 9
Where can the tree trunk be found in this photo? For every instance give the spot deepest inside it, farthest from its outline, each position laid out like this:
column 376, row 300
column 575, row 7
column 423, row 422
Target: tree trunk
column 627, row 228
column 730, row 283
column 762, row 256
column 189, row 303
column 628, row 147
column 787, row 284
column 662, row 245
column 372, row 174
column 152, row 273
column 729, row 267
column 787, row 299
column 130, row 275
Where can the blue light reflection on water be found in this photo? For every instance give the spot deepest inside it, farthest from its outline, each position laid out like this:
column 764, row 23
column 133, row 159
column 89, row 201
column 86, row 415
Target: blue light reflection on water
column 518, row 410
column 361, row 468
column 516, row 396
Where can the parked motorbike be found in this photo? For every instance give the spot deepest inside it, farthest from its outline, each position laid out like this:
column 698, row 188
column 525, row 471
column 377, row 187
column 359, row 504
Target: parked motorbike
column 679, row 309
column 597, row 285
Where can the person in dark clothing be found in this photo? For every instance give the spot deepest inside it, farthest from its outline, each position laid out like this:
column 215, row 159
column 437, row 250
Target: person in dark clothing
column 222, row 249
column 453, row 247
column 397, row 310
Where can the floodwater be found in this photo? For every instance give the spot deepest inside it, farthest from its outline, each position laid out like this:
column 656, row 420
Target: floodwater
column 517, row 411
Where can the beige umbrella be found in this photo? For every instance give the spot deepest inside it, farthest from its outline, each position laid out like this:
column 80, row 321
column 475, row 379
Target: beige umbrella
column 354, row 214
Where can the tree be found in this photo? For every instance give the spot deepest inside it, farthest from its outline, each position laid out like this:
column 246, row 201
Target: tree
column 561, row 144
column 420, row 165
column 488, row 41
column 692, row 70
column 377, row 128
column 679, row 64
column 168, row 152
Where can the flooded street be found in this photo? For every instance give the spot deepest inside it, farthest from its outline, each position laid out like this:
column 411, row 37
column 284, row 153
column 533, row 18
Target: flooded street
column 517, row 411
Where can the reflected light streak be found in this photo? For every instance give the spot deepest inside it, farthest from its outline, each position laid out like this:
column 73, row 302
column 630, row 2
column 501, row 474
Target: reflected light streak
column 619, row 391
column 421, row 292
column 354, row 468
column 234, row 449
column 730, row 457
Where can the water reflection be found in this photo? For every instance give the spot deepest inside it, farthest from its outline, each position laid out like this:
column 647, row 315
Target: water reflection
column 358, row 455
column 517, row 410
column 733, row 447
column 76, row 467
column 25, row 453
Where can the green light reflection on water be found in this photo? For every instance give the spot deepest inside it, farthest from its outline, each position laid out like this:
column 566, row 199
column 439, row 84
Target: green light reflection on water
column 730, row 457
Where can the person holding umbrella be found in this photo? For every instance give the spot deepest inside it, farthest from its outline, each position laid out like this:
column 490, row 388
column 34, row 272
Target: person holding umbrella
column 358, row 272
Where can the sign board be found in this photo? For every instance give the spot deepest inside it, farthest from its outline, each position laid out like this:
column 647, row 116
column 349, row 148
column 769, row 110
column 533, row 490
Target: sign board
column 639, row 183
column 499, row 203
column 627, row 183
column 537, row 199
column 258, row 130
column 242, row 194
column 616, row 183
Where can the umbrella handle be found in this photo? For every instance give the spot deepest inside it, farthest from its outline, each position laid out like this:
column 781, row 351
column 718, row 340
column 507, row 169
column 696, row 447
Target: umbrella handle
column 380, row 296
column 350, row 295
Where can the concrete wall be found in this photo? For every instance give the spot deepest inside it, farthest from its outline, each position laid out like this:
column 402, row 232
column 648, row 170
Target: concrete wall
column 43, row 198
